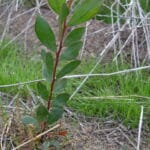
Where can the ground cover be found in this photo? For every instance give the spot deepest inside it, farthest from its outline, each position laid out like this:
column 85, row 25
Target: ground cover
column 119, row 96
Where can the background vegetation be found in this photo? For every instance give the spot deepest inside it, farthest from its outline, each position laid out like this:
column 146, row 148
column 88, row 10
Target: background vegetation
column 128, row 91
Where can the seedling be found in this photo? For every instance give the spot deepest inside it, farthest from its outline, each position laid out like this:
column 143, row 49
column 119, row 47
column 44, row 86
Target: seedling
column 65, row 50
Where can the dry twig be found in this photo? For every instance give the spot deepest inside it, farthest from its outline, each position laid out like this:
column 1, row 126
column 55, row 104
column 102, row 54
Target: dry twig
column 37, row 137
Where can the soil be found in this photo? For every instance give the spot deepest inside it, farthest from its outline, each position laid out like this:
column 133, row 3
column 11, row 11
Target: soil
column 91, row 133
column 93, row 46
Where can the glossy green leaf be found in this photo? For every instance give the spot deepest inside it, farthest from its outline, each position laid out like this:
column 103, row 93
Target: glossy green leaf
column 61, row 100
column 84, row 11
column 68, row 68
column 56, row 5
column 64, row 13
column 74, row 35
column 60, row 85
column 55, row 114
column 45, row 33
column 42, row 90
column 42, row 113
column 27, row 120
column 72, row 51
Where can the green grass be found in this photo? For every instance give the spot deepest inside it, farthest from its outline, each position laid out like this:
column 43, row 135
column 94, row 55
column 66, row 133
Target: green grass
column 124, row 110
column 15, row 67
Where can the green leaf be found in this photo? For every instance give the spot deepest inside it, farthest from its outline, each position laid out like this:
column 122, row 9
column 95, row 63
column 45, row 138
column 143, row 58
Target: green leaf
column 60, row 85
column 55, row 114
column 74, row 35
column 47, row 59
column 42, row 113
column 46, row 74
column 42, row 90
column 68, row 68
column 56, row 5
column 45, row 33
column 72, row 51
column 48, row 64
column 64, row 13
column 29, row 120
column 43, row 55
column 46, row 145
column 84, row 11
column 61, row 100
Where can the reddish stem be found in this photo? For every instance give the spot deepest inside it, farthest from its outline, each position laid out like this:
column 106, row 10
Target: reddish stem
column 56, row 64
column 64, row 28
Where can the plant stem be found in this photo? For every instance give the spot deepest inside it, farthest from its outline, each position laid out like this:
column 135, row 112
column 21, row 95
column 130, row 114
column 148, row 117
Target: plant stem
column 58, row 52
column 70, row 3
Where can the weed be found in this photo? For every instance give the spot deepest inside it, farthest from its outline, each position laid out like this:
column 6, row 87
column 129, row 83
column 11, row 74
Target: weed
column 59, row 58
